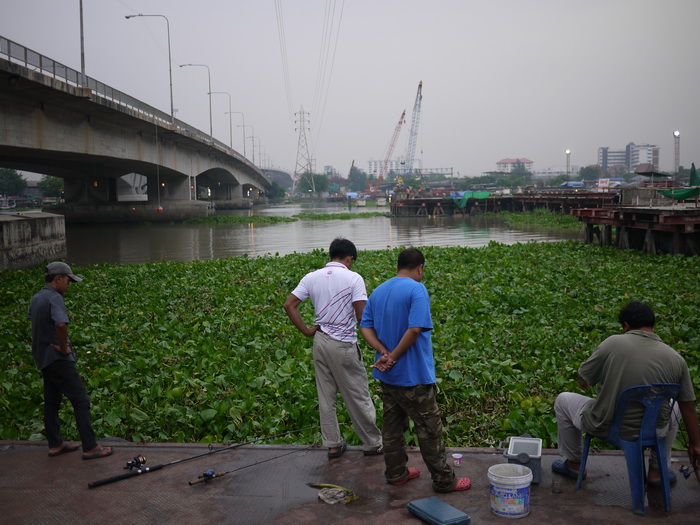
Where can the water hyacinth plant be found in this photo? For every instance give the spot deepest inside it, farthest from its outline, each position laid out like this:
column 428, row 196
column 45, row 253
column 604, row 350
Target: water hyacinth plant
column 540, row 219
column 203, row 351
column 340, row 215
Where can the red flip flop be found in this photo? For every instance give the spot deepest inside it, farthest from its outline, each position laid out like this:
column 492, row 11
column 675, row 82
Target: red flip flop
column 462, row 484
column 413, row 473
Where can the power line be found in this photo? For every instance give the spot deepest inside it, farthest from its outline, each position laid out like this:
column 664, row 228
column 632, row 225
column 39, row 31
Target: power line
column 285, row 62
column 330, row 32
column 327, row 83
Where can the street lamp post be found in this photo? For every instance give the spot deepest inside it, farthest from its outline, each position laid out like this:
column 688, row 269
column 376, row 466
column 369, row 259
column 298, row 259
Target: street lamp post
column 211, row 127
column 243, row 116
column 230, row 125
column 262, row 155
column 677, row 151
column 82, row 47
column 568, row 163
column 244, row 137
column 170, row 63
column 252, row 139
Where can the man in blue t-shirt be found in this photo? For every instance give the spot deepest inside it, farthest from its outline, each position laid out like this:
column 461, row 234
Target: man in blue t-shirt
column 396, row 322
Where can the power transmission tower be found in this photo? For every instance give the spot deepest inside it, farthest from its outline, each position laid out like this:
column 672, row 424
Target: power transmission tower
column 304, row 166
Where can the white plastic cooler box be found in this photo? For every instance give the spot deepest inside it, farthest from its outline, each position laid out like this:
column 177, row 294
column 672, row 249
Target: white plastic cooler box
column 525, row 451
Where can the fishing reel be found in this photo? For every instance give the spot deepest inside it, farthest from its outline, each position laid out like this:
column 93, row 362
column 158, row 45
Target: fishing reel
column 207, row 475
column 686, row 471
column 137, row 462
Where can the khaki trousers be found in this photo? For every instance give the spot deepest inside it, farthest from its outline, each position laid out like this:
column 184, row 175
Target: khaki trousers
column 339, row 368
column 568, row 408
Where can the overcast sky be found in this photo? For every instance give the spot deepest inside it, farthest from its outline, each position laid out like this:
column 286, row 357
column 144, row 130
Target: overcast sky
column 501, row 78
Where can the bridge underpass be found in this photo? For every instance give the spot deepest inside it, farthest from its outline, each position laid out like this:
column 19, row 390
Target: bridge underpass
column 54, row 122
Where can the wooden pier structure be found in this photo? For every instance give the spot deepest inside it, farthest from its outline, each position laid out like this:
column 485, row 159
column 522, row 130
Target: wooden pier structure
column 659, row 229
column 644, row 220
column 404, row 205
column 638, row 218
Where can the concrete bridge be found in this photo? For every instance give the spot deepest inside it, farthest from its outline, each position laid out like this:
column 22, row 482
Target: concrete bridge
column 56, row 121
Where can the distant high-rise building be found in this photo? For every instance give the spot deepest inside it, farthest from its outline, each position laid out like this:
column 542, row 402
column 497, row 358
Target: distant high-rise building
column 608, row 158
column 329, row 170
column 644, row 154
column 632, row 156
column 375, row 166
column 397, row 165
column 510, row 165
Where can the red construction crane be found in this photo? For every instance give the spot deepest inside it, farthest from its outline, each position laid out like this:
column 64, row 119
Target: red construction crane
column 390, row 151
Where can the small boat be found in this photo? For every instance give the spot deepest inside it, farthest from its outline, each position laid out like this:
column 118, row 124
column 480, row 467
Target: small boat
column 7, row 204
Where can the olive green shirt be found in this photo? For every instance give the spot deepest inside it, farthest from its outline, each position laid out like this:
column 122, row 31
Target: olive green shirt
column 622, row 361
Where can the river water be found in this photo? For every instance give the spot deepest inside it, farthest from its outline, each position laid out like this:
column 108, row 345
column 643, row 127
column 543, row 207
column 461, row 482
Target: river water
column 129, row 244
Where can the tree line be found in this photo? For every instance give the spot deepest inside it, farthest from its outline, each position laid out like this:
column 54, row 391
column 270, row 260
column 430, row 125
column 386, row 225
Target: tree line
column 13, row 184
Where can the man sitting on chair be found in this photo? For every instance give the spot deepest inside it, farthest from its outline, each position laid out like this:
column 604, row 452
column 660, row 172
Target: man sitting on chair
column 635, row 357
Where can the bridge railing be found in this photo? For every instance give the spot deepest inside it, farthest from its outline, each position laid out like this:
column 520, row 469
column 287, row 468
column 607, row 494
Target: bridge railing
column 33, row 60
column 30, row 59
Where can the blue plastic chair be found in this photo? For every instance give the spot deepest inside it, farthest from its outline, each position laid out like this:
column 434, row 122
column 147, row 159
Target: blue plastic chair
column 652, row 397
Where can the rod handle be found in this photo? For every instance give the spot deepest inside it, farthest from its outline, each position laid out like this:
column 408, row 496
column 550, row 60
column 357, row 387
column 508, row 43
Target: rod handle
column 130, row 474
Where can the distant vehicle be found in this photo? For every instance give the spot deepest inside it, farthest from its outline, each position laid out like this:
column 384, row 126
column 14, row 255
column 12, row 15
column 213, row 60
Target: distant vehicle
column 572, row 184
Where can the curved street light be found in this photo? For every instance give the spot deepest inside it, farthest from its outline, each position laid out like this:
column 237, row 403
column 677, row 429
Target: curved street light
column 230, row 125
column 243, row 116
column 170, row 64
column 244, row 137
column 211, row 127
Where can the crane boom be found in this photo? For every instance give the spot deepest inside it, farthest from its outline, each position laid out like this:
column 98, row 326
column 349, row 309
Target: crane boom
column 392, row 144
column 415, row 120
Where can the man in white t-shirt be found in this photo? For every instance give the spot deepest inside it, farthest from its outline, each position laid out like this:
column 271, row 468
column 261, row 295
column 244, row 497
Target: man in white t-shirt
column 339, row 296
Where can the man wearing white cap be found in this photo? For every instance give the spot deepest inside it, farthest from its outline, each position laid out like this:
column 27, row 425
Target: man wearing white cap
column 54, row 357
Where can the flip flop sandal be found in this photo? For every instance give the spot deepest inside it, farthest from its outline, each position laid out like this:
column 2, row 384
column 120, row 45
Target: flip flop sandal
column 413, row 473
column 101, row 452
column 63, row 450
column 560, row 467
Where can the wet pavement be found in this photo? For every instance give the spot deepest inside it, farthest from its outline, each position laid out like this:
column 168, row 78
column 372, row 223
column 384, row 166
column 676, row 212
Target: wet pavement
column 268, row 486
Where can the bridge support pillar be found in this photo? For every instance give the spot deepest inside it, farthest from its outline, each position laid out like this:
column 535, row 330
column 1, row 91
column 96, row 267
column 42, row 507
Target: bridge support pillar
column 90, row 190
column 228, row 196
column 160, row 189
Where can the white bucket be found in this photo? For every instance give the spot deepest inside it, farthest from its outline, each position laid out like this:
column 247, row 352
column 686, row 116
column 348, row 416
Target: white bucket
column 510, row 490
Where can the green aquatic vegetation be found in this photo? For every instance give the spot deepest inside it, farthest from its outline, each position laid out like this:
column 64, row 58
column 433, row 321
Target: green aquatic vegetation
column 236, row 219
column 540, row 218
column 339, row 216
column 203, row 351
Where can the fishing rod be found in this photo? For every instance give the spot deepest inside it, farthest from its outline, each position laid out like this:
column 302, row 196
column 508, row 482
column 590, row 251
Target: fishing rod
column 686, row 470
column 136, row 466
column 210, row 474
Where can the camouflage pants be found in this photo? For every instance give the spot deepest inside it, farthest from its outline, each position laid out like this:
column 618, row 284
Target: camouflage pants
column 419, row 404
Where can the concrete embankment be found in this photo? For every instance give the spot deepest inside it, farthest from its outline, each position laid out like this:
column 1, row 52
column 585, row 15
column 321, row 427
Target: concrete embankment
column 29, row 239
column 131, row 212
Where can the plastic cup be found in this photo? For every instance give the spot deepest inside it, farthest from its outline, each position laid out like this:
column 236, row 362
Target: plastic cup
column 457, row 459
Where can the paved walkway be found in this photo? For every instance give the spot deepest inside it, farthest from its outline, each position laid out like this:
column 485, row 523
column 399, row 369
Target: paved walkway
column 269, row 487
